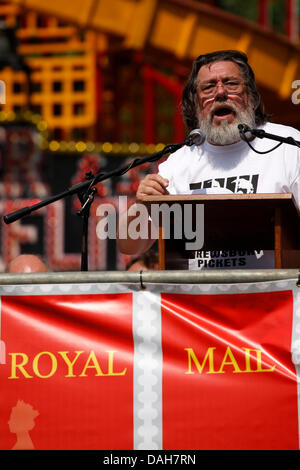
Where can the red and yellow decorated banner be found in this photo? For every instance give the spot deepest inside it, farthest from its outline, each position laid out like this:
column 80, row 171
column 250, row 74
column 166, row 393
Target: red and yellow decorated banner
column 170, row 367
column 238, row 387
column 68, row 378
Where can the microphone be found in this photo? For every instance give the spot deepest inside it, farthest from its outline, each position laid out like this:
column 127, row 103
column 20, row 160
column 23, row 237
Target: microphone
column 243, row 128
column 260, row 133
column 195, row 137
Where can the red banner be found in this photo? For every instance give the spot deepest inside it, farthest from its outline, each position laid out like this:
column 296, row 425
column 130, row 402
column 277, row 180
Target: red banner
column 68, row 378
column 171, row 367
column 235, row 385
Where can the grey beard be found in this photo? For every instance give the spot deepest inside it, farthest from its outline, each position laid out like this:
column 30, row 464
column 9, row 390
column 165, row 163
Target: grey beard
column 226, row 134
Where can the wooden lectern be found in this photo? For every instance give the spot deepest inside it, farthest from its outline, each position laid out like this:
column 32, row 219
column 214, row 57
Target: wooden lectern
column 235, row 222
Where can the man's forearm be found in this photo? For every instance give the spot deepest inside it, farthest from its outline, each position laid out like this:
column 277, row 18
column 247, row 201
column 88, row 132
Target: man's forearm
column 134, row 231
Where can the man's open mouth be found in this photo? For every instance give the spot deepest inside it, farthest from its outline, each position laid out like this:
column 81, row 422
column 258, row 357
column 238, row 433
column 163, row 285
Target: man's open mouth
column 224, row 111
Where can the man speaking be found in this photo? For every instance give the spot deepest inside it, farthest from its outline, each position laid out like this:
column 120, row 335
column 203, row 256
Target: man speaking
column 218, row 97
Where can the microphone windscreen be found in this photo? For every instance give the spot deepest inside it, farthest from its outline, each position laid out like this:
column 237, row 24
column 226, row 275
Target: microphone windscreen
column 195, row 137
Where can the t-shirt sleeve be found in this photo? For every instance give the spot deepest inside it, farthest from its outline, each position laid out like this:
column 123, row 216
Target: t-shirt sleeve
column 165, row 170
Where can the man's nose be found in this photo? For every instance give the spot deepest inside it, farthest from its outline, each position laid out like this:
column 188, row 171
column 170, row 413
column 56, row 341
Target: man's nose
column 220, row 90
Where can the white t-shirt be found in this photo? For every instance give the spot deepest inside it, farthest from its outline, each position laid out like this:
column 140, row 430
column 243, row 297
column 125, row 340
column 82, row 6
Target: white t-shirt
column 236, row 168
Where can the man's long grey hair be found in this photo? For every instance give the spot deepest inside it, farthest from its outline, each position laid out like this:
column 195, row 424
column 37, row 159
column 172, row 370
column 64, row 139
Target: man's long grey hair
column 189, row 94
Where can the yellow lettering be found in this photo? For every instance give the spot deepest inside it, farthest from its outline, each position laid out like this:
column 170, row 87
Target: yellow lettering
column 35, row 363
column 64, row 355
column 228, row 359
column 111, row 365
column 19, row 361
column 258, row 361
column 92, row 358
column 20, row 366
column 192, row 356
column 232, row 362
column 247, row 360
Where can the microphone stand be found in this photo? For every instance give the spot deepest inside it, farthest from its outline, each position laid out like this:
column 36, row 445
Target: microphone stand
column 86, row 192
column 260, row 133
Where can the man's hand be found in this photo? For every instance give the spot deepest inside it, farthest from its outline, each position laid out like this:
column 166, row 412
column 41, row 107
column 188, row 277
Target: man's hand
column 152, row 185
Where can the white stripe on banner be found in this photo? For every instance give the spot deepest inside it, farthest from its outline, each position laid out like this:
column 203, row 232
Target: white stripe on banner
column 147, row 371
